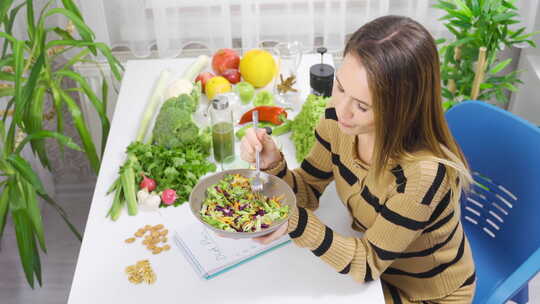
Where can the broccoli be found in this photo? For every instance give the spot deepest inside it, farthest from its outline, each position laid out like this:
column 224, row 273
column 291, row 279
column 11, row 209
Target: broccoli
column 174, row 125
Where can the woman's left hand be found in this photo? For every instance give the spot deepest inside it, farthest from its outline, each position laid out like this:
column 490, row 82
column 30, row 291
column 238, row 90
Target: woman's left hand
column 269, row 238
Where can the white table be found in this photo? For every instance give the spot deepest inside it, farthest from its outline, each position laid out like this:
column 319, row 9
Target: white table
column 287, row 275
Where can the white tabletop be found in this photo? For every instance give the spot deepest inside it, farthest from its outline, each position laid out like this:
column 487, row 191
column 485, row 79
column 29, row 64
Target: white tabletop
column 286, row 275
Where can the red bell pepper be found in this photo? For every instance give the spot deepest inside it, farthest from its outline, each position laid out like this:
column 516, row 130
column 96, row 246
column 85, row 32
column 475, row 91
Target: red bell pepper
column 271, row 114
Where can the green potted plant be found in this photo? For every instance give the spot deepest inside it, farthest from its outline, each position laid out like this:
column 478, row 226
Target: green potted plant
column 470, row 64
column 32, row 70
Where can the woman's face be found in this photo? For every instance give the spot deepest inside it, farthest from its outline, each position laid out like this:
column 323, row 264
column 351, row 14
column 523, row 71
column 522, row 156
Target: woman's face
column 352, row 98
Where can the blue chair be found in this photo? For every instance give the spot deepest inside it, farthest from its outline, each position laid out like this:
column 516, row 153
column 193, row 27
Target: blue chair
column 501, row 215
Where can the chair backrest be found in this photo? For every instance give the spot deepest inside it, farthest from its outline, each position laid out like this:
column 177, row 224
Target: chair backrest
column 501, row 215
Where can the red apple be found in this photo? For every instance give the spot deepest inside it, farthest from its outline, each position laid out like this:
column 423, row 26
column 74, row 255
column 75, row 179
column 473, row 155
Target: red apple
column 225, row 59
column 204, row 77
column 232, row 75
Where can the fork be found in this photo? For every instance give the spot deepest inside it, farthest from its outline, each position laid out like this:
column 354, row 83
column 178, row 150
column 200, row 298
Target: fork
column 256, row 184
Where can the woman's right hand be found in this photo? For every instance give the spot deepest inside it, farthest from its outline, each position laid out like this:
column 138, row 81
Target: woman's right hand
column 263, row 142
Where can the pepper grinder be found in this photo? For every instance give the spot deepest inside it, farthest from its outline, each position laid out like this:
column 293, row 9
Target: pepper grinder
column 321, row 76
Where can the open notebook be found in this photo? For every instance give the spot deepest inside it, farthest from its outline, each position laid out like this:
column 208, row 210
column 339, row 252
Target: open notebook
column 211, row 255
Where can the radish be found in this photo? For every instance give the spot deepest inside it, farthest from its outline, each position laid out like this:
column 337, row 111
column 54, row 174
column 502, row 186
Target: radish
column 168, row 196
column 147, row 183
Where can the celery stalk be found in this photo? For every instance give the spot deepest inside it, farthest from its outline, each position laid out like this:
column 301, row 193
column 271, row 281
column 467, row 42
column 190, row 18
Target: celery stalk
column 152, row 104
column 196, row 67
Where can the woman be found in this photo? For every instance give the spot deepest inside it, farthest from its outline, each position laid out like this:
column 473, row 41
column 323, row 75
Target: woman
column 385, row 142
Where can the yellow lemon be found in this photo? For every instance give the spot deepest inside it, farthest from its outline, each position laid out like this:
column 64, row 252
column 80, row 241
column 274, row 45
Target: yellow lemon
column 258, row 67
column 217, row 85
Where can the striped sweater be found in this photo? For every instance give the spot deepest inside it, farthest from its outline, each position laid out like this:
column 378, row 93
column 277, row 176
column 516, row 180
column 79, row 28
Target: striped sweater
column 412, row 235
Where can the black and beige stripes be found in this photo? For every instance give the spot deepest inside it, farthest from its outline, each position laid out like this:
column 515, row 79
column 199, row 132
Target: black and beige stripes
column 413, row 237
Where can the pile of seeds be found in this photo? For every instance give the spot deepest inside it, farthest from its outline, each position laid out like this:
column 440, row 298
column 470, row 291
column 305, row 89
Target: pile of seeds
column 141, row 272
column 155, row 235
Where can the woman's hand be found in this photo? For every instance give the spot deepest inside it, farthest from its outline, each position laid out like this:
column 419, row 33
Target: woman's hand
column 259, row 140
column 269, row 238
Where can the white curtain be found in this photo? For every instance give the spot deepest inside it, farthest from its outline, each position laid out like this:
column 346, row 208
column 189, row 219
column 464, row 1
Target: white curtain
column 168, row 26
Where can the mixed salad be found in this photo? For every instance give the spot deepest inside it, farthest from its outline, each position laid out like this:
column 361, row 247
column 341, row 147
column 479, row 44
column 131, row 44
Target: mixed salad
column 231, row 205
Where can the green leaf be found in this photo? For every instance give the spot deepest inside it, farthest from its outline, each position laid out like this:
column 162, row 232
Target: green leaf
column 34, row 214
column 440, row 40
column 76, row 59
column 18, row 98
column 505, row 16
column 34, row 123
column 448, row 104
column 509, row 5
column 85, row 32
column 63, row 33
column 464, row 8
column 463, row 41
column 38, row 135
column 98, row 104
column 29, row 87
column 25, row 170
column 104, row 98
column 104, row 49
column 510, row 87
column 517, row 33
column 500, row 96
column 523, row 37
column 62, row 213
column 485, row 85
column 82, row 129
column 26, row 243
column 462, row 24
column 2, row 132
column 58, row 108
column 7, row 76
column 30, row 21
column 4, row 7
column 4, row 204
column 500, row 66
column 72, row 7
column 452, row 29
column 444, row 5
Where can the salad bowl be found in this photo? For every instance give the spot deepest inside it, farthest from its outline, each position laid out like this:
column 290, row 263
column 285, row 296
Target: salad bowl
column 273, row 187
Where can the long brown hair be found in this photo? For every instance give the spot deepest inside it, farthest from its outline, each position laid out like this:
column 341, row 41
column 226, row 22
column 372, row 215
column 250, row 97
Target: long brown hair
column 402, row 65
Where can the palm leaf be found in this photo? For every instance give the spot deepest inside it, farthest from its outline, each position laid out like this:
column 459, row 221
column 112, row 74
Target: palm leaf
column 76, row 59
column 30, row 21
column 86, row 33
column 8, row 24
column 35, row 123
column 4, row 204
column 104, row 98
column 82, row 129
column 98, row 104
column 4, row 7
column 62, row 213
column 58, row 108
column 62, row 33
column 68, row 4
column 29, row 88
column 104, row 49
column 34, row 214
column 27, row 249
column 42, row 134
column 25, row 170
column 19, row 65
